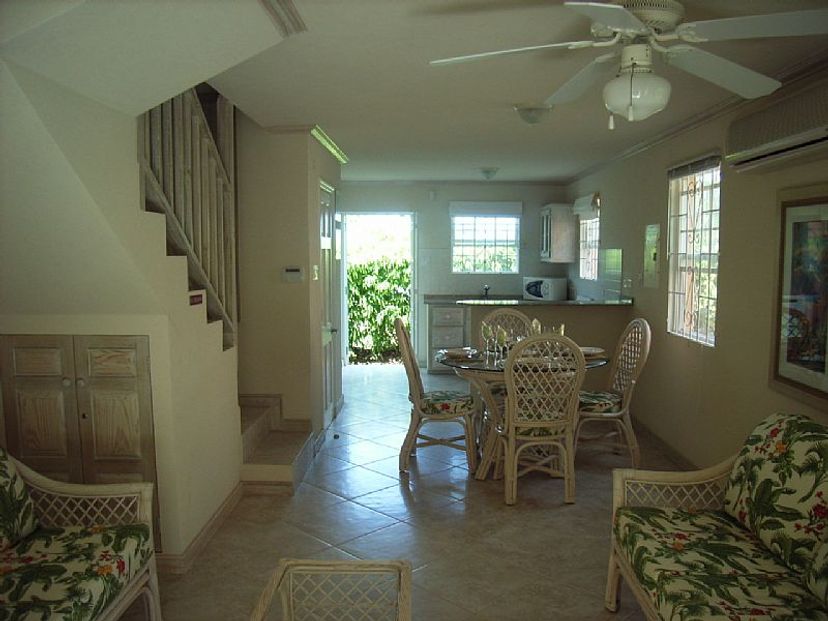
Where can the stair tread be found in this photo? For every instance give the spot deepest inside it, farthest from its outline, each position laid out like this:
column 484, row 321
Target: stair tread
column 278, row 448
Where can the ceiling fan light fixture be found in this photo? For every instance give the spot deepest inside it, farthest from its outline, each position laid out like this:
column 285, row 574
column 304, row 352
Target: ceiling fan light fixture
column 636, row 96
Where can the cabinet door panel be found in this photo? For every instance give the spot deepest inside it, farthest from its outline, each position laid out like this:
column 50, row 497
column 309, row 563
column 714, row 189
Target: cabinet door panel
column 114, row 402
column 39, row 404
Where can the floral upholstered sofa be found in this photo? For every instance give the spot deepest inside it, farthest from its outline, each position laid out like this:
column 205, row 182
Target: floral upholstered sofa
column 741, row 541
column 73, row 552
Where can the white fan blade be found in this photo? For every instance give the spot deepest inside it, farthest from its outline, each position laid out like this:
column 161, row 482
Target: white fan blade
column 572, row 45
column 613, row 15
column 793, row 24
column 744, row 82
column 579, row 83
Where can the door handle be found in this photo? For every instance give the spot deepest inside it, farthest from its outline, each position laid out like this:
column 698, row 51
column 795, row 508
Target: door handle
column 333, row 330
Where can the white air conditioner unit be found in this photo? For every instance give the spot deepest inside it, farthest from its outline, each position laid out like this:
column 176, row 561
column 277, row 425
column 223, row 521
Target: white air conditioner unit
column 792, row 127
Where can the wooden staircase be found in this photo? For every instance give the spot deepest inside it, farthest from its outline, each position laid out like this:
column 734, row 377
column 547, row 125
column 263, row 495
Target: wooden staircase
column 187, row 158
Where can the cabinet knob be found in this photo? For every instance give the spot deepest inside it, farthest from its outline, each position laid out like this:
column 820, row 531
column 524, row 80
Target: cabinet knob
column 66, row 382
column 84, row 416
column 81, row 383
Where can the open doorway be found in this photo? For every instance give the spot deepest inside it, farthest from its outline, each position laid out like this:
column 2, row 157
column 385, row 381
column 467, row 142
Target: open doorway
column 378, row 273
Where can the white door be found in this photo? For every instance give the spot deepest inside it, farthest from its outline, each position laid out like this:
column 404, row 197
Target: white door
column 329, row 320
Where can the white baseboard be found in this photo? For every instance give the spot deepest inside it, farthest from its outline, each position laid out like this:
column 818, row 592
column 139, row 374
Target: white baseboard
column 181, row 563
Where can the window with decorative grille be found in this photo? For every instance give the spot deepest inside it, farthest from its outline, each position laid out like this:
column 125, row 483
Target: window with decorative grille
column 693, row 250
column 485, row 244
column 588, row 248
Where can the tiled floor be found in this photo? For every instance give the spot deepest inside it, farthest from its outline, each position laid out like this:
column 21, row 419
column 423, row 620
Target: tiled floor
column 474, row 558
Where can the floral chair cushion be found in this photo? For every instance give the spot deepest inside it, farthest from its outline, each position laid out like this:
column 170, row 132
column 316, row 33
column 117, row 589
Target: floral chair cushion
column 17, row 518
column 816, row 578
column 778, row 487
column 599, row 402
column 447, row 403
column 705, row 565
column 70, row 573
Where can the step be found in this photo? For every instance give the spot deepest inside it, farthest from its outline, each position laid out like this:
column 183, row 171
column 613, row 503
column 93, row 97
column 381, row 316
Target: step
column 255, row 425
column 281, row 458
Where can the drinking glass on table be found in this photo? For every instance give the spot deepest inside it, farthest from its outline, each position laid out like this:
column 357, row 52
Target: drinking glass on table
column 488, row 336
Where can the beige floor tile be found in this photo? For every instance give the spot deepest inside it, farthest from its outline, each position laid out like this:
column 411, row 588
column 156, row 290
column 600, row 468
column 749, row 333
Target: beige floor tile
column 476, row 558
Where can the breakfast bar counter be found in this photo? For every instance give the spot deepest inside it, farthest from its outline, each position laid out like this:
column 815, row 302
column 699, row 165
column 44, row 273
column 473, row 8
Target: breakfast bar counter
column 522, row 302
column 597, row 323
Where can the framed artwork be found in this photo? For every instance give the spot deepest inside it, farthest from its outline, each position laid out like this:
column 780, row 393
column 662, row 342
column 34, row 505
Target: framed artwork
column 802, row 302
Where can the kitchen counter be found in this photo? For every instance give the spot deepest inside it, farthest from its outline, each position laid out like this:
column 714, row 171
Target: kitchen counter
column 521, row 302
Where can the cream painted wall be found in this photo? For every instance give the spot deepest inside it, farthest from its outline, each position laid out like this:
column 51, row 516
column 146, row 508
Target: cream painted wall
column 280, row 328
column 703, row 401
column 433, row 246
column 73, row 182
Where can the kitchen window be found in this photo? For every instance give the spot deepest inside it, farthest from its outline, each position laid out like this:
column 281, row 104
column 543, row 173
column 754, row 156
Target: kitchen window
column 693, row 249
column 485, row 237
column 588, row 248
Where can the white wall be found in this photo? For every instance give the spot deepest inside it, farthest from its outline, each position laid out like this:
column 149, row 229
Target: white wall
column 433, row 247
column 701, row 400
column 80, row 256
column 280, row 328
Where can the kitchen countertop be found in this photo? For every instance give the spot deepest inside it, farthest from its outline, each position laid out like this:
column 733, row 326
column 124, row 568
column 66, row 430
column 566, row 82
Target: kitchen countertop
column 521, row 302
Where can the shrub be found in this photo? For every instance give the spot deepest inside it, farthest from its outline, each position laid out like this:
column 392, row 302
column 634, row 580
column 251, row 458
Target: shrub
column 378, row 293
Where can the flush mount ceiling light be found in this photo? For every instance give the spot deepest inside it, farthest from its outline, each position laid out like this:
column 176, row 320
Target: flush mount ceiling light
column 636, row 93
column 645, row 25
column 531, row 114
column 489, row 172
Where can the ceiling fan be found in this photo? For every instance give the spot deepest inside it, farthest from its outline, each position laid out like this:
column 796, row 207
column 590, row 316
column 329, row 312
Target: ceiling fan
column 644, row 26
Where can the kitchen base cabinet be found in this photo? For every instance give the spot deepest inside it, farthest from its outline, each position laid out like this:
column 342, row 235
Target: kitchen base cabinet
column 448, row 326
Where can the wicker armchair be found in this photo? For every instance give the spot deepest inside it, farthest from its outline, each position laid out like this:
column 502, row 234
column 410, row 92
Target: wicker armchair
column 337, row 590
column 68, row 506
column 612, row 406
column 513, row 321
column 543, row 376
column 445, row 406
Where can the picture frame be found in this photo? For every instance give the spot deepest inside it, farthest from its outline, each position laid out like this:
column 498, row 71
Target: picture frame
column 801, row 306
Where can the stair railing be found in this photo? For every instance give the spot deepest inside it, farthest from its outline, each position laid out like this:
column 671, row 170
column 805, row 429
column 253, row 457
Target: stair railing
column 188, row 176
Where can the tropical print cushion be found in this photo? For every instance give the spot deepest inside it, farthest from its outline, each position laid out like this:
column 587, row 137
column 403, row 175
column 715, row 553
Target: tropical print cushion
column 70, row 573
column 778, row 487
column 816, row 578
column 447, row 402
column 17, row 518
column 598, row 401
column 705, row 565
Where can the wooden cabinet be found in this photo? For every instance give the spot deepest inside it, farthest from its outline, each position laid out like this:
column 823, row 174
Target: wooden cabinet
column 558, row 234
column 448, row 326
column 79, row 408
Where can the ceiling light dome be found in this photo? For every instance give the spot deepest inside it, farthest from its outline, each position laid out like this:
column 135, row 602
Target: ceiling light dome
column 636, row 93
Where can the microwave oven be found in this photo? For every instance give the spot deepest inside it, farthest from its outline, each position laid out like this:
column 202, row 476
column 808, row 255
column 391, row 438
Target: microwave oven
column 547, row 289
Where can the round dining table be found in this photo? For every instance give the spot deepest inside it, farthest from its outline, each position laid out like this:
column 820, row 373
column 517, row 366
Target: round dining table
column 485, row 373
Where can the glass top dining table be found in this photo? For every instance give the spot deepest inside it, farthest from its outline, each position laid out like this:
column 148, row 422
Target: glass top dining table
column 484, row 372
column 488, row 364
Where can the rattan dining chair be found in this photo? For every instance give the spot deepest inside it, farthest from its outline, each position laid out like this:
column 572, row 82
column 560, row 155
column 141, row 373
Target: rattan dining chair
column 543, row 376
column 513, row 321
column 613, row 405
column 443, row 406
column 516, row 325
column 338, row 591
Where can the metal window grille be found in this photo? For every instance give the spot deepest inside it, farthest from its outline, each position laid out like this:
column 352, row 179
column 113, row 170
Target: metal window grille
column 694, row 250
column 589, row 240
column 485, row 244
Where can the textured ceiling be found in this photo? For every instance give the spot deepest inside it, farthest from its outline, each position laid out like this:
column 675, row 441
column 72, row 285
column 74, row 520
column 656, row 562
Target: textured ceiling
column 361, row 72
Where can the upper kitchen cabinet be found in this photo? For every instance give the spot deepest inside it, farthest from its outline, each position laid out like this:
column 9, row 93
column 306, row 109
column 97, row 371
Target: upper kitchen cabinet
column 559, row 234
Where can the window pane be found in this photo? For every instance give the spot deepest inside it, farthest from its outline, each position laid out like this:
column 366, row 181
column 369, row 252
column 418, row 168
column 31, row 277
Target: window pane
column 693, row 255
column 485, row 244
column 588, row 249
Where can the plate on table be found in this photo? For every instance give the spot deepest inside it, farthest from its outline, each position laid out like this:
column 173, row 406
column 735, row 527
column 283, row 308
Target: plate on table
column 461, row 353
column 593, row 352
